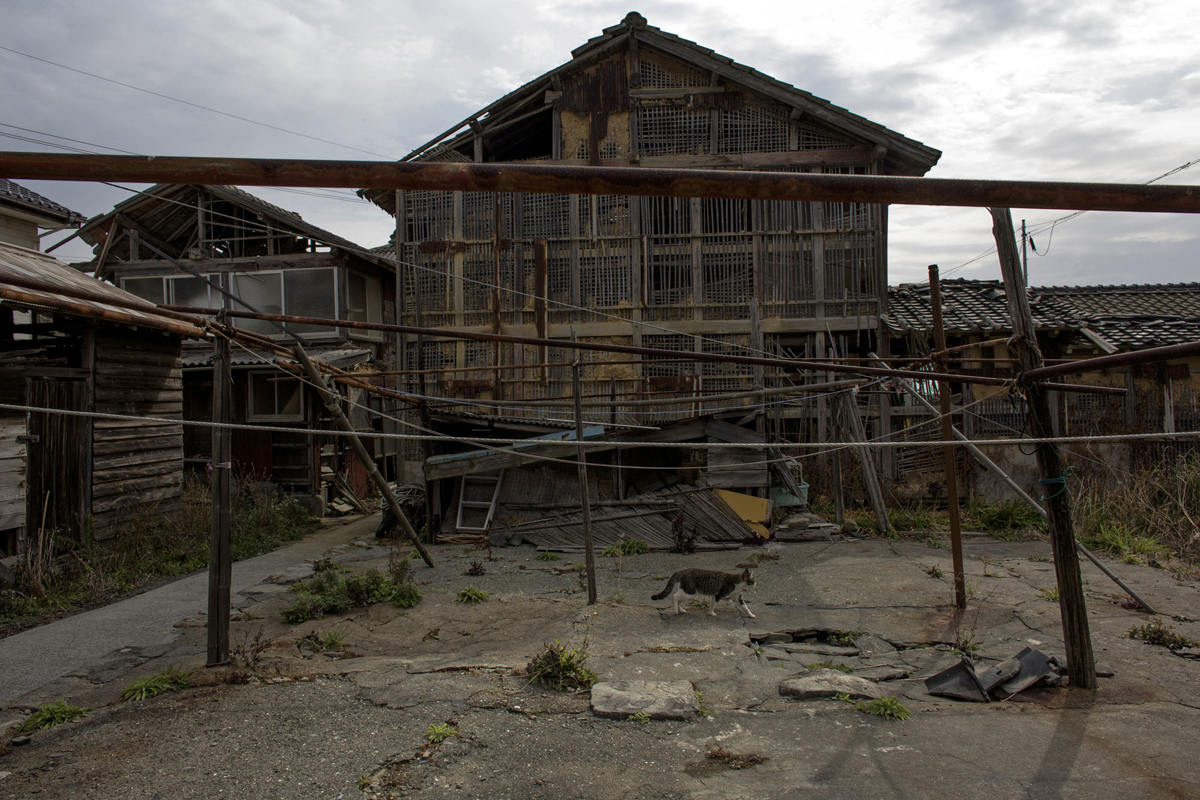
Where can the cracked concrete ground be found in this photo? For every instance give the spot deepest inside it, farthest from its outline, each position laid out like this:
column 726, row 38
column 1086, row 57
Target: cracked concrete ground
column 352, row 722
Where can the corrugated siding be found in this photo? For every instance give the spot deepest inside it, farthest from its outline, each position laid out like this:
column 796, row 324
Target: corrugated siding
column 137, row 466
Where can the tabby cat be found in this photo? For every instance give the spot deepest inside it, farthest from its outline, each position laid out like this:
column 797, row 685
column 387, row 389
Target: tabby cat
column 715, row 586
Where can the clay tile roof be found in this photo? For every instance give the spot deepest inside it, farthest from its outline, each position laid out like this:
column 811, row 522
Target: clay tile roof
column 18, row 195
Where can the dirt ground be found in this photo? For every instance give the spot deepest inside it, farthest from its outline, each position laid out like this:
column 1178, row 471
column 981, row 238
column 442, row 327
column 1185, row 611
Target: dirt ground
column 352, row 722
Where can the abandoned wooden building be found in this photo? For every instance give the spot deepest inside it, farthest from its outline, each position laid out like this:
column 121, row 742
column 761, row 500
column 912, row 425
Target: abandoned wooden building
column 78, row 477
column 188, row 245
column 697, row 275
column 1073, row 322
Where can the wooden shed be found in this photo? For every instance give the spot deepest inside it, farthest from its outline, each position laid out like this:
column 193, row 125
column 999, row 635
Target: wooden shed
column 78, row 475
column 188, row 246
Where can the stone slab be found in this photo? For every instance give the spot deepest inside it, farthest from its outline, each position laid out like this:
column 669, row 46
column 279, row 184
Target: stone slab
column 657, row 699
column 828, row 683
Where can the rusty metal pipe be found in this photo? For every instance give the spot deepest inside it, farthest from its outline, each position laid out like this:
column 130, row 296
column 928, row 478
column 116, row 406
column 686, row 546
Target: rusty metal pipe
column 560, row 179
column 1150, row 356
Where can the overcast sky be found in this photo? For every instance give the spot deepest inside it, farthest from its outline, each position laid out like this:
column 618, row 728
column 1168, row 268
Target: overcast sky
column 1072, row 91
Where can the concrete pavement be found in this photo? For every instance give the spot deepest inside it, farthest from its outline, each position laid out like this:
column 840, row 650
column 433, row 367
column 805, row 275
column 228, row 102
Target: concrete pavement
column 105, row 641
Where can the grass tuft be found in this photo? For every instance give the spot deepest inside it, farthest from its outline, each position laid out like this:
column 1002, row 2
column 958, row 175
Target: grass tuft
column 471, row 596
column 171, row 679
column 52, row 714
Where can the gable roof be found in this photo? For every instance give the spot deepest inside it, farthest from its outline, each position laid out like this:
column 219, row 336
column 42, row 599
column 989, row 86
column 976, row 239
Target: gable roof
column 15, row 196
column 149, row 201
column 1108, row 317
column 903, row 156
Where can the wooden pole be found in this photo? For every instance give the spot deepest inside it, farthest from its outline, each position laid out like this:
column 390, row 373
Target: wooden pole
column 584, row 499
column 335, row 410
column 995, row 469
column 939, row 341
column 1081, row 664
column 220, row 555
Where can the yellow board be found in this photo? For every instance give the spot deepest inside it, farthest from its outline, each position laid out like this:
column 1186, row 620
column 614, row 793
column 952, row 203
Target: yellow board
column 752, row 510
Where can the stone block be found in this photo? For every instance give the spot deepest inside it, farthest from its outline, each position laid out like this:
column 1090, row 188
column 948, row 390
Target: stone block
column 828, row 683
column 657, row 699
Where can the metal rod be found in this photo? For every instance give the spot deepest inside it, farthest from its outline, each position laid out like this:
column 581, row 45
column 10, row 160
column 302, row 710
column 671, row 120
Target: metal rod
column 585, row 500
column 644, row 181
column 939, row 341
column 983, row 459
column 333, row 406
column 698, row 355
column 1149, row 356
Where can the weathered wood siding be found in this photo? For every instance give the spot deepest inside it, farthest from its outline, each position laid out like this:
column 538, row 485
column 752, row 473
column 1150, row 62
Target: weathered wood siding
column 137, row 466
column 12, row 481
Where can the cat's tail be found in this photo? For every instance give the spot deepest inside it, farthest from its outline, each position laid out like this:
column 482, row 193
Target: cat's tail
column 670, row 585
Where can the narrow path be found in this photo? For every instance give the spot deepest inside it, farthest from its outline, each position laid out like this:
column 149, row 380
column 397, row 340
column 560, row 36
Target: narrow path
column 34, row 658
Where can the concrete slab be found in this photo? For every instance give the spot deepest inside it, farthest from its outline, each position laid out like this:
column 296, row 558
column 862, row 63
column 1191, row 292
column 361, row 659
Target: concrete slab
column 653, row 699
column 827, row 683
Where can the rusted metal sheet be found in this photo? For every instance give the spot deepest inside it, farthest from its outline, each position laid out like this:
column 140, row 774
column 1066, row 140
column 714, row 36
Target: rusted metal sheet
column 799, row 187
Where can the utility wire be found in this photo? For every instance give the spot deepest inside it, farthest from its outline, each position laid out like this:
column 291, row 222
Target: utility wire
column 193, row 105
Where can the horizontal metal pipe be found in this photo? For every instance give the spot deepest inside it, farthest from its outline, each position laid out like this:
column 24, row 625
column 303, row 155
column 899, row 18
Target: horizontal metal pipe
column 1149, row 356
column 782, row 363
column 67, row 306
column 645, row 181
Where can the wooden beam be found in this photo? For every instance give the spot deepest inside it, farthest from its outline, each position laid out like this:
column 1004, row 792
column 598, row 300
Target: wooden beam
column 951, row 469
column 334, row 407
column 220, row 555
column 1081, row 664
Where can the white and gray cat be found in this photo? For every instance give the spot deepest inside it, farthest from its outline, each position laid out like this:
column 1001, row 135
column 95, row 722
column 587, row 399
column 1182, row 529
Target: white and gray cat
column 710, row 584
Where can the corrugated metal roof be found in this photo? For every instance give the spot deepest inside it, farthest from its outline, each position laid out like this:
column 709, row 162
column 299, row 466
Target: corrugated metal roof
column 19, row 265
column 334, row 356
column 16, row 192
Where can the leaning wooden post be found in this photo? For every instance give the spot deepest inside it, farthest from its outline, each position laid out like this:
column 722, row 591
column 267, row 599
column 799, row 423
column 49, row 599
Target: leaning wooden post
column 335, row 410
column 939, row 341
column 584, row 498
column 220, row 556
column 1081, row 664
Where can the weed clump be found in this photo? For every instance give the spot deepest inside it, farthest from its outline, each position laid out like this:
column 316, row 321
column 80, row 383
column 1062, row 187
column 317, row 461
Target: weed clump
column 472, row 596
column 885, row 707
column 682, row 541
column 546, row 555
column 562, row 668
column 1157, row 633
column 52, row 714
column 439, row 732
column 171, row 679
column 333, row 589
column 626, row 547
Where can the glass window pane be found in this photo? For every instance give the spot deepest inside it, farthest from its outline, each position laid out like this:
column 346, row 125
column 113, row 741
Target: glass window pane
column 191, row 292
column 287, row 394
column 264, row 292
column 262, row 395
column 146, row 288
column 310, row 293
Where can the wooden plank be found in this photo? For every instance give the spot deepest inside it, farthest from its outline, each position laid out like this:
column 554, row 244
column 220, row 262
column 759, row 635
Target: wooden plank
column 113, row 430
column 733, row 434
column 132, row 396
column 173, row 442
column 123, row 462
column 148, row 409
column 113, row 493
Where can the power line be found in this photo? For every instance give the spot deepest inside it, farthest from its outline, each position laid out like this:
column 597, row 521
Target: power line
column 193, row 105
column 1041, row 227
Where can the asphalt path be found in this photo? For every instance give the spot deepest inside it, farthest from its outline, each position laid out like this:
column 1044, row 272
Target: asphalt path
column 38, row 656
